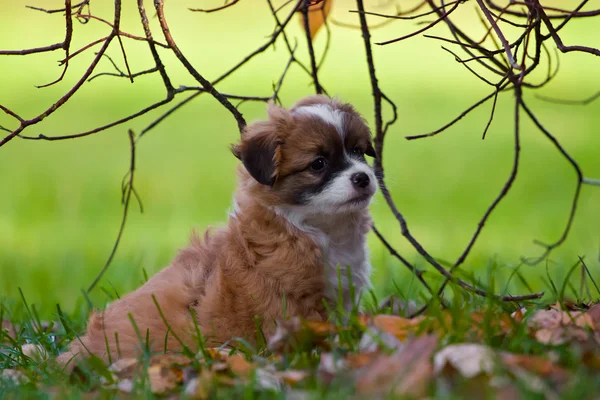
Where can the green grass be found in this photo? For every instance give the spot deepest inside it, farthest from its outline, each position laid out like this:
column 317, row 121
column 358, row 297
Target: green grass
column 570, row 374
column 60, row 203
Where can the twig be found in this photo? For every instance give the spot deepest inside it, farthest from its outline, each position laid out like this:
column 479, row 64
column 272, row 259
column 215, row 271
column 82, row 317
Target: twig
column 211, row 10
column 427, row 27
column 126, row 201
column 414, row 270
column 311, row 50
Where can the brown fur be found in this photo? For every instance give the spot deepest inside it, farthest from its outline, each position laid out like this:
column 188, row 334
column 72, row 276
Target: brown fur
column 245, row 269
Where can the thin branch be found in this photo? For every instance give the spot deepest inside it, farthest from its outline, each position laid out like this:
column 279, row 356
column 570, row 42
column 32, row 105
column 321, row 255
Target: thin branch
column 507, row 185
column 414, row 270
column 311, row 50
column 407, row 16
column 578, row 172
column 494, row 25
column 585, row 101
column 126, row 202
column 427, row 27
column 455, row 120
column 211, row 10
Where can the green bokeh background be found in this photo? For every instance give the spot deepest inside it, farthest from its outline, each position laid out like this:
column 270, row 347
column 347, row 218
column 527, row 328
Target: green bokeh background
column 60, row 201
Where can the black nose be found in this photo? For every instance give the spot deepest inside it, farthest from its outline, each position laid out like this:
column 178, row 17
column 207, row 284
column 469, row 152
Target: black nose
column 360, row 179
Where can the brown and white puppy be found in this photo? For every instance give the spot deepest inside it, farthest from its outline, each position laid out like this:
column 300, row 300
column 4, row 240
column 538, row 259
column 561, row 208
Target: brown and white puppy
column 300, row 212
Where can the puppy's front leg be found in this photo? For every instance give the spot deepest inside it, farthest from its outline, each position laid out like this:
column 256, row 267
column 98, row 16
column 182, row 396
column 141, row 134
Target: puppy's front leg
column 173, row 295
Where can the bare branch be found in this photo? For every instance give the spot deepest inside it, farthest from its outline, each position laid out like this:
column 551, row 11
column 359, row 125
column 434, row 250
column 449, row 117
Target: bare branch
column 211, row 10
column 159, row 6
column 427, row 27
column 126, row 200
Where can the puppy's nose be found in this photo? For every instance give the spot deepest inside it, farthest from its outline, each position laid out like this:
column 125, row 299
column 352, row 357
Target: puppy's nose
column 360, row 179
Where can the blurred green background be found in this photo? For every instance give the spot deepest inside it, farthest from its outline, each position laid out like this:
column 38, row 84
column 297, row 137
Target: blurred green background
column 60, row 201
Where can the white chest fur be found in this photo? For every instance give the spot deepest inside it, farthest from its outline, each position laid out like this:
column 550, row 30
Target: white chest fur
column 347, row 269
column 345, row 254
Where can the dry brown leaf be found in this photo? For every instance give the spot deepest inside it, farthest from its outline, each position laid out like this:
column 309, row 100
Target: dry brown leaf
column 317, row 13
column 501, row 322
column 469, row 359
column 164, row 379
column 397, row 326
column 170, row 360
column 240, row 366
column 292, row 377
column 557, row 327
column 537, row 365
column 294, row 333
column 216, row 353
column 360, row 360
column 405, row 373
column 125, row 367
column 375, row 339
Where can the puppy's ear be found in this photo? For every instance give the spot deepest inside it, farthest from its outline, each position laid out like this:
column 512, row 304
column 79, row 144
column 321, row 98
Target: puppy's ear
column 259, row 149
column 371, row 150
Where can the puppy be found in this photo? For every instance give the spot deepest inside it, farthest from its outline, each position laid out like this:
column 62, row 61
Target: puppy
column 300, row 215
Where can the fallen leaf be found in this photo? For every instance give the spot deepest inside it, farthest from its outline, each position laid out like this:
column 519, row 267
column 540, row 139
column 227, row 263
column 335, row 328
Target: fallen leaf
column 164, row 379
column 557, row 327
column 292, row 377
column 240, row 366
column 469, row 359
column 405, row 373
column 215, row 353
column 534, row 364
column 397, row 326
column 360, row 360
column 125, row 367
column 295, row 333
column 331, row 364
column 500, row 322
column 317, row 13
column 375, row 339
column 268, row 380
column 170, row 360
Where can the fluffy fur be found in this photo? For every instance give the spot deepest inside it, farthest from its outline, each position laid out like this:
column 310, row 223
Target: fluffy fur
column 300, row 212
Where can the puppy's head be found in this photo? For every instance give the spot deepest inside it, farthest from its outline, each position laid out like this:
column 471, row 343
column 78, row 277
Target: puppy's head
column 312, row 155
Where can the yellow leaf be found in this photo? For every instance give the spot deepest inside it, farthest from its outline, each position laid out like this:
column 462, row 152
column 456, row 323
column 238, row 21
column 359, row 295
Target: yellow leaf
column 317, row 13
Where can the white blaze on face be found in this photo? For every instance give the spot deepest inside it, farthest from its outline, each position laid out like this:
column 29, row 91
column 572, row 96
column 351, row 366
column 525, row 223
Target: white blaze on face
column 325, row 113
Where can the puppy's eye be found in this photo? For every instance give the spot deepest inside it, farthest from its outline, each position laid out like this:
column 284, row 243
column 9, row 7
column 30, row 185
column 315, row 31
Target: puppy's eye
column 357, row 151
column 318, row 164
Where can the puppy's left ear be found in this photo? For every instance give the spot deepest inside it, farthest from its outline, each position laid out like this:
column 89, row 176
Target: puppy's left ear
column 371, row 150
